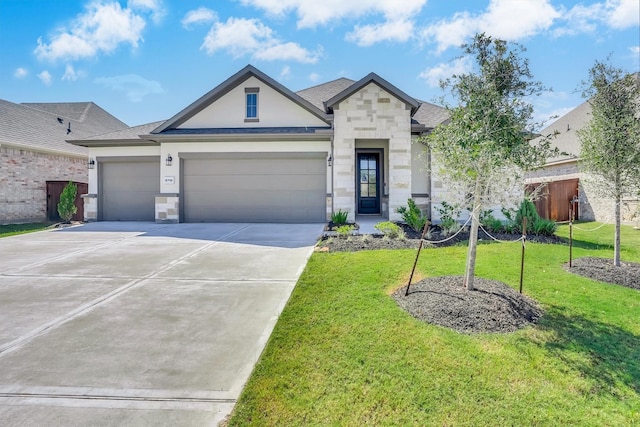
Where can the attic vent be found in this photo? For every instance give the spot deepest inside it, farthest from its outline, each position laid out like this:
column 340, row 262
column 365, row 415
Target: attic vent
column 384, row 100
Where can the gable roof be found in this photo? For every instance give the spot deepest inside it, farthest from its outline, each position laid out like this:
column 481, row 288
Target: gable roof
column 566, row 138
column 371, row 78
column 317, row 95
column 226, row 86
column 45, row 126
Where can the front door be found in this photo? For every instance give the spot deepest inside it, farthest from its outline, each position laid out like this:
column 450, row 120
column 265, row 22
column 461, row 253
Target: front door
column 368, row 183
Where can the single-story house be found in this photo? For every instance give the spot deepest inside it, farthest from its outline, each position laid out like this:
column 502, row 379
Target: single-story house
column 561, row 180
column 251, row 150
column 35, row 159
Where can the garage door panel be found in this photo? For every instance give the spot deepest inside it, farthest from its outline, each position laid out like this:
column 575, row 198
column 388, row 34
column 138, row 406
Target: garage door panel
column 128, row 190
column 254, row 190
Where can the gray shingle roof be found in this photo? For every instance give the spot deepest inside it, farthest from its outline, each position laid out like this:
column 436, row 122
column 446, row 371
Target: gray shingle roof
column 37, row 125
column 127, row 134
column 430, row 115
column 317, row 95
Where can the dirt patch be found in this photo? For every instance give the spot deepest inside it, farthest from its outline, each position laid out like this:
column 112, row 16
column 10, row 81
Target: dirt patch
column 493, row 307
column 603, row 270
column 412, row 240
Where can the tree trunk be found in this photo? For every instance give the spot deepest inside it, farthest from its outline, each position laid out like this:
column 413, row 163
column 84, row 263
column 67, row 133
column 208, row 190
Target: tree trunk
column 616, row 243
column 470, row 271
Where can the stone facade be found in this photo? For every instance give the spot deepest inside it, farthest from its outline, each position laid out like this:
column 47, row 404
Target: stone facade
column 168, row 209
column 372, row 114
column 90, row 203
column 23, row 181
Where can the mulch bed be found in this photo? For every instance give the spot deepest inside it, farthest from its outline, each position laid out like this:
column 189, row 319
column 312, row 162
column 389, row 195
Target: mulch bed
column 493, row 307
column 602, row 269
column 412, row 240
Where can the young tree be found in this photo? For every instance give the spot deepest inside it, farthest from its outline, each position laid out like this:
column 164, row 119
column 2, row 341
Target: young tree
column 611, row 139
column 485, row 145
column 67, row 205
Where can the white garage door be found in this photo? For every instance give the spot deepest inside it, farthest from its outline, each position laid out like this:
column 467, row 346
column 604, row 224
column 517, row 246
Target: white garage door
column 128, row 190
column 257, row 187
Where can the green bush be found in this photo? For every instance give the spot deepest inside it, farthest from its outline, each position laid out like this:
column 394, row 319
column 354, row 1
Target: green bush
column 413, row 216
column 544, row 227
column 389, row 229
column 448, row 217
column 340, row 217
column 527, row 210
column 344, row 231
column 67, row 205
column 491, row 223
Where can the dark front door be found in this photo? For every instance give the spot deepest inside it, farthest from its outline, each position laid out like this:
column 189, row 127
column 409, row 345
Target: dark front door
column 368, row 183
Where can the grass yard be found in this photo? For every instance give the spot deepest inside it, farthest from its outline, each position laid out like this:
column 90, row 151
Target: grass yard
column 343, row 353
column 13, row 229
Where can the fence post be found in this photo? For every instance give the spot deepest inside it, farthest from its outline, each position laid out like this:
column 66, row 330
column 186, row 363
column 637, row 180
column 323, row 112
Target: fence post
column 424, row 232
column 570, row 235
column 524, row 238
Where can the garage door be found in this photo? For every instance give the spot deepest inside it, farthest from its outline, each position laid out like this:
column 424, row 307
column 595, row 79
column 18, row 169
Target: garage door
column 128, row 190
column 265, row 187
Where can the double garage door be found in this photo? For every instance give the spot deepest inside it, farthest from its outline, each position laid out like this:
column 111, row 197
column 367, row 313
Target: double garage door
column 238, row 187
column 265, row 187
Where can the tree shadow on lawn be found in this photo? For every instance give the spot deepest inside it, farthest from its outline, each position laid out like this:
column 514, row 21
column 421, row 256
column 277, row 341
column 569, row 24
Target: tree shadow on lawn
column 606, row 354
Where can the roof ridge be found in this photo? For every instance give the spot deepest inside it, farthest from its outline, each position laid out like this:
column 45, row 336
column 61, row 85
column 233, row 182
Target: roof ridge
column 326, row 83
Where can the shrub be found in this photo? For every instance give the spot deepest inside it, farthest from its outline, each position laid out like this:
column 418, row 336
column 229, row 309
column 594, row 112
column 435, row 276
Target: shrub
column 344, row 231
column 340, row 217
column 491, row 223
column 413, row 216
column 544, row 227
column 389, row 229
column 527, row 210
column 510, row 225
column 67, row 205
column 448, row 217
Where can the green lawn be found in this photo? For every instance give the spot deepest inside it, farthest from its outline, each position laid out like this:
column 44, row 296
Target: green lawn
column 343, row 353
column 13, row 229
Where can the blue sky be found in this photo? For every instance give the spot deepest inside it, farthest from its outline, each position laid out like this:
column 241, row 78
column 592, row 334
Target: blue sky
column 145, row 60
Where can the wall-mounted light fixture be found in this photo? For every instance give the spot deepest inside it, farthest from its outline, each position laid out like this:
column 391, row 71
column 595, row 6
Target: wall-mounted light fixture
column 91, row 163
column 330, row 160
column 168, row 160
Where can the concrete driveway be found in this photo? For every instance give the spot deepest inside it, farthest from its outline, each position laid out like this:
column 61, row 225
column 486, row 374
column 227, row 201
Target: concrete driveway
column 140, row 323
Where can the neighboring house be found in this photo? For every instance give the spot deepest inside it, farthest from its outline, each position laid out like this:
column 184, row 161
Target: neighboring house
column 562, row 180
column 252, row 150
column 36, row 161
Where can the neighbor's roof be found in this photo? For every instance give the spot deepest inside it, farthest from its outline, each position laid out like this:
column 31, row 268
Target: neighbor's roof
column 45, row 126
column 566, row 138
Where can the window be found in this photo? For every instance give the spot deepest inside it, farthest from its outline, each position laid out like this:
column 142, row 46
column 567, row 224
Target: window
column 251, row 95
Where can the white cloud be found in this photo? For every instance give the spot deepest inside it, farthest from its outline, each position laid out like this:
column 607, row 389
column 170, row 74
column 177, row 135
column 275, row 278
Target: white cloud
column 288, row 51
column 506, row 19
column 397, row 23
column 45, row 77
column 286, row 72
column 70, row 73
column 399, row 31
column 445, row 70
column 101, row 28
column 623, row 13
column 312, row 13
column 134, row 86
column 154, row 6
column 20, row 73
column 635, row 50
column 314, row 77
column 241, row 37
column 199, row 16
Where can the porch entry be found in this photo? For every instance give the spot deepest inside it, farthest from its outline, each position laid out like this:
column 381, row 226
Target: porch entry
column 368, row 184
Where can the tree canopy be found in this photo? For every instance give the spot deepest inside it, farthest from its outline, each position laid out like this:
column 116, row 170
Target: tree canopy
column 611, row 139
column 486, row 144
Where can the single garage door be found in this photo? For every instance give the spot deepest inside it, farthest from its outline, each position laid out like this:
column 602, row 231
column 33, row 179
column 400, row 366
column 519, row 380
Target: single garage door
column 128, row 190
column 265, row 187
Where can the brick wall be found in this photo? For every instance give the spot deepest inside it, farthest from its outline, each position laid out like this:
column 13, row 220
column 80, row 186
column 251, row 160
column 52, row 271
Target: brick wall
column 23, row 178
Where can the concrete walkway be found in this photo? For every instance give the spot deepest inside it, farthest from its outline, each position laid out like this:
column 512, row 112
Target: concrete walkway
column 111, row 324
